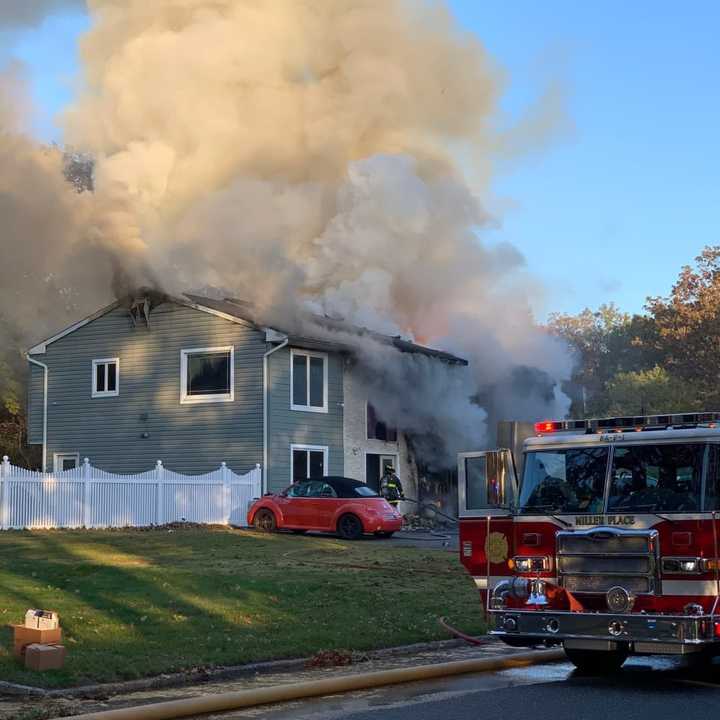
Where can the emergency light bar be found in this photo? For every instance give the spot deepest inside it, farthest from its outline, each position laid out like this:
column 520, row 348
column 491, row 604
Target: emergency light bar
column 623, row 424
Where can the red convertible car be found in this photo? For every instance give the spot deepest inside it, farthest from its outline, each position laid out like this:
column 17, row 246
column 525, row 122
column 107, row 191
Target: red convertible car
column 330, row 504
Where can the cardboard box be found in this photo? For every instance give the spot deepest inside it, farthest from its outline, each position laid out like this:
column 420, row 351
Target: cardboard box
column 42, row 619
column 23, row 636
column 44, row 657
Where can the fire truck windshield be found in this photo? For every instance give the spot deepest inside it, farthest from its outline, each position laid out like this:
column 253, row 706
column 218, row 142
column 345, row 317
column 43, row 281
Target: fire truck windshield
column 570, row 480
column 657, row 477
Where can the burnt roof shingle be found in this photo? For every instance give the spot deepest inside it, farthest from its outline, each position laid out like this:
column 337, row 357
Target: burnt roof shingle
column 245, row 311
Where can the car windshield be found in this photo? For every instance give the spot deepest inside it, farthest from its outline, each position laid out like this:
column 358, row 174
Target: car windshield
column 663, row 478
column 568, row 480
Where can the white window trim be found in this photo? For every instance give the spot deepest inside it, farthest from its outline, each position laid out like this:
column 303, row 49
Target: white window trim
column 312, row 448
column 186, row 399
column 309, row 354
column 59, row 457
column 105, row 393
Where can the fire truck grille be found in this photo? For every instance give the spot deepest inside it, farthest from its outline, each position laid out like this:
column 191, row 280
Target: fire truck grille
column 593, row 561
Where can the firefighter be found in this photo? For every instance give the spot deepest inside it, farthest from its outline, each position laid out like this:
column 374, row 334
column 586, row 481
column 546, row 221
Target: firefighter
column 390, row 487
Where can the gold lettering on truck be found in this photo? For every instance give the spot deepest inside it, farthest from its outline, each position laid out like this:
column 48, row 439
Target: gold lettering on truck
column 605, row 520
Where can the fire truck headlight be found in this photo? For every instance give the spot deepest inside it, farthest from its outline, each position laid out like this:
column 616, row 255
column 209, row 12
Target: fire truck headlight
column 619, row 600
column 689, row 566
column 531, row 564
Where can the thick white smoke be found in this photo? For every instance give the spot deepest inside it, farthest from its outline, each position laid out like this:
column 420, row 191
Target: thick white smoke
column 315, row 154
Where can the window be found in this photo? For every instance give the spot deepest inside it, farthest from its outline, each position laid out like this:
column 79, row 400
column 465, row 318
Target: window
column 207, row 375
column 65, row 461
column 378, row 430
column 319, row 489
column 308, row 381
column 106, row 377
column 364, row 491
column 307, row 462
column 298, row 489
column 571, row 480
column 475, row 482
column 652, row 478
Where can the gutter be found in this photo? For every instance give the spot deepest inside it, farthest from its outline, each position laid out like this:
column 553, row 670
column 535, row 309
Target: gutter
column 45, row 407
column 270, row 335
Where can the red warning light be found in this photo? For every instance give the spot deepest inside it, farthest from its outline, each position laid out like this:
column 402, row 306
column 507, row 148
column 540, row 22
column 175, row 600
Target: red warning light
column 546, row 426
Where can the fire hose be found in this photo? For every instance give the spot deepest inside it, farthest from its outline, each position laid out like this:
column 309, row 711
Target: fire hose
column 461, row 635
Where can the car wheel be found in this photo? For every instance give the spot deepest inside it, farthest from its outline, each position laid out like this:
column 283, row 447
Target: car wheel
column 349, row 527
column 384, row 534
column 265, row 521
column 597, row 662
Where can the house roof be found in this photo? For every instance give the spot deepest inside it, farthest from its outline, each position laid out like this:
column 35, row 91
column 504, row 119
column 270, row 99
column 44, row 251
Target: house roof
column 244, row 313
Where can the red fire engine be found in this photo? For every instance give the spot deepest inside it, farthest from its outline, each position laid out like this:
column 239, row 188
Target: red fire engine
column 608, row 545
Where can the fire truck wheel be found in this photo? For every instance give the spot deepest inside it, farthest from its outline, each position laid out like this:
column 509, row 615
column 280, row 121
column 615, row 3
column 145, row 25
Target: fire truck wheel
column 597, row 662
column 265, row 521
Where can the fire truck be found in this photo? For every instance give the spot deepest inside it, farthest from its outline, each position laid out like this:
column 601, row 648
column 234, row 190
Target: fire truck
column 607, row 545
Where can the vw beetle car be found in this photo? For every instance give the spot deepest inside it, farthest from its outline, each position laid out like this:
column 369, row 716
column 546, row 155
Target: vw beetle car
column 329, row 504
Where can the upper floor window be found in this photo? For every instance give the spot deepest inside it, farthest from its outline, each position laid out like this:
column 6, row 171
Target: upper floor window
column 106, row 377
column 207, row 375
column 308, row 381
column 378, row 430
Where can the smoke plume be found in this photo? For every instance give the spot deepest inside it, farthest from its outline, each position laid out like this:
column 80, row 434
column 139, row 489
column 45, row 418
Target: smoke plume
column 329, row 156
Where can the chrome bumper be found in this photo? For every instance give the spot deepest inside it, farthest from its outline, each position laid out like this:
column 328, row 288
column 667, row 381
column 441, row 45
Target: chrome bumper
column 665, row 633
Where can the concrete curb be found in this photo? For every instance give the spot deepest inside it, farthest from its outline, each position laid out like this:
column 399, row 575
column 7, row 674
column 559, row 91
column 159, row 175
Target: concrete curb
column 103, row 690
column 296, row 691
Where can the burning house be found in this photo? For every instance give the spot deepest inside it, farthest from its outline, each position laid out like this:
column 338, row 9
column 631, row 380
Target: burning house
column 196, row 381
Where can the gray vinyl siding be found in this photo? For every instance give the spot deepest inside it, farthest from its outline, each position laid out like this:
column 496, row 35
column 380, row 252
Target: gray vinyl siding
column 35, row 405
column 287, row 427
column 191, row 438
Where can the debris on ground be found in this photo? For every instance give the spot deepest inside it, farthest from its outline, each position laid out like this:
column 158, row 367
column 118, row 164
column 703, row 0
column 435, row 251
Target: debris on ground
column 330, row 658
column 420, row 522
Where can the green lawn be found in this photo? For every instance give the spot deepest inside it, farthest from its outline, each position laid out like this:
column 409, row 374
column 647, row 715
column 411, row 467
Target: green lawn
column 135, row 603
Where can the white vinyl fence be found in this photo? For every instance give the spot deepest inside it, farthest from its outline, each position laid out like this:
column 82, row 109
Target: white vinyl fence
column 89, row 497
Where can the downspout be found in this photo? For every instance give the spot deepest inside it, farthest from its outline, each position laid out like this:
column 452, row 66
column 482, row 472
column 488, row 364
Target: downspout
column 45, row 407
column 265, row 410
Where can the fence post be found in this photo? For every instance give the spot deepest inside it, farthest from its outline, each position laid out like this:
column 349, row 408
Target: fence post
column 4, row 492
column 87, row 495
column 226, row 499
column 257, row 481
column 159, row 478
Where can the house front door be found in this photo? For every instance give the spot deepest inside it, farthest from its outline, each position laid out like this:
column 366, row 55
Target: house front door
column 375, row 467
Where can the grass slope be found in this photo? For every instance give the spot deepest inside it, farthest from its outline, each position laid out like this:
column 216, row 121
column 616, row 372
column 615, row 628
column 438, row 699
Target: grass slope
column 134, row 603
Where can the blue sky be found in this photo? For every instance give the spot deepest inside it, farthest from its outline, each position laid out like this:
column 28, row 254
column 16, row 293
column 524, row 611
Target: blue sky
column 607, row 212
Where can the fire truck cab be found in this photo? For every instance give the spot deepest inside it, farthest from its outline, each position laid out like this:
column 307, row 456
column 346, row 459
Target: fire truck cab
column 607, row 545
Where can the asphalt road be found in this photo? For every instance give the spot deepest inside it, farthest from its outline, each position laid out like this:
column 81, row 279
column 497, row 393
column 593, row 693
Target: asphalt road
column 645, row 688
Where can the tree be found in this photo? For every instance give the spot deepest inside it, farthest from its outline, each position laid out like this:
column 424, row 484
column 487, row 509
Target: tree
column 605, row 342
column 649, row 392
column 688, row 326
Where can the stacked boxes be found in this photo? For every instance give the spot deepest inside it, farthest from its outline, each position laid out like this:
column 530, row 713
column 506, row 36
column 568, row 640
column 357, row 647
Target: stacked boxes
column 38, row 641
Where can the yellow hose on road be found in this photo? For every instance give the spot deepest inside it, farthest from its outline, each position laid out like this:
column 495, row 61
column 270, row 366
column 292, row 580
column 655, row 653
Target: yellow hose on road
column 316, row 688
